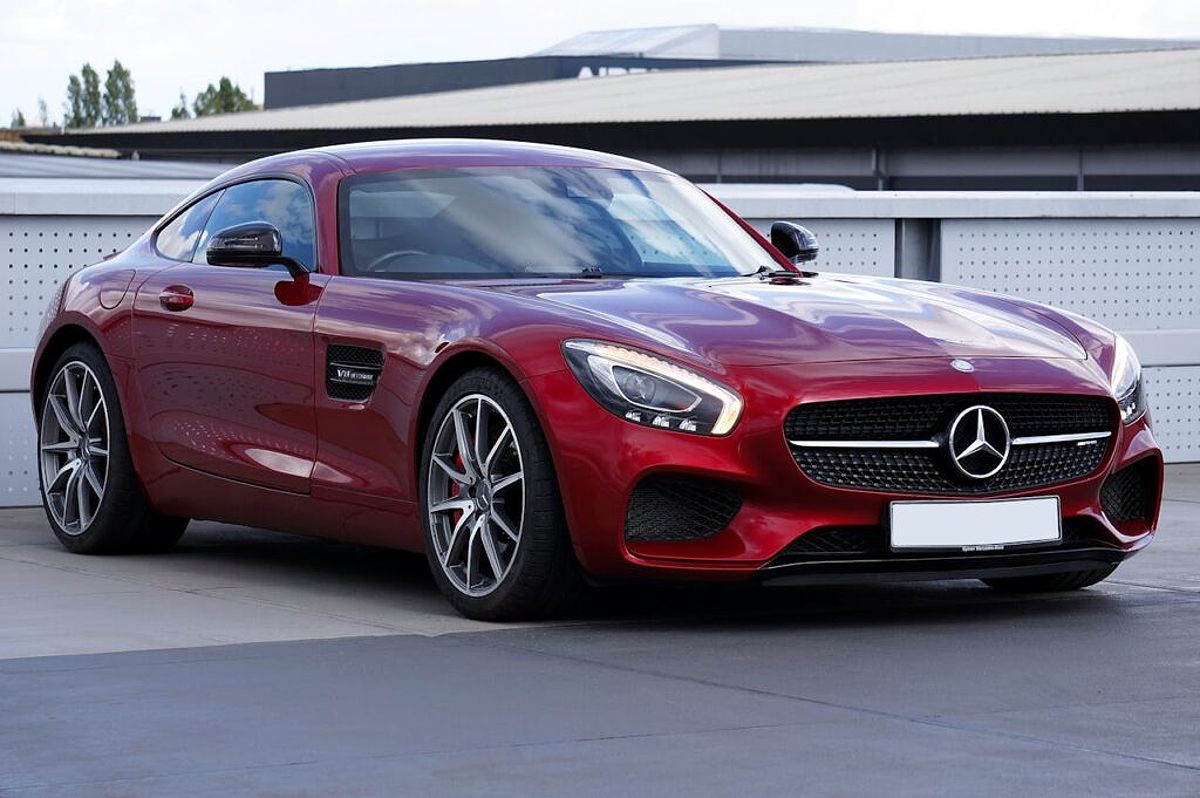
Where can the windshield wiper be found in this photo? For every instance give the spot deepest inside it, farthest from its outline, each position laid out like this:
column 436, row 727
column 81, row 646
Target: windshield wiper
column 765, row 272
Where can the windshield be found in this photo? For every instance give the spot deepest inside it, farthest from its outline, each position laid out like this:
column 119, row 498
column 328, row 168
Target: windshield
column 489, row 222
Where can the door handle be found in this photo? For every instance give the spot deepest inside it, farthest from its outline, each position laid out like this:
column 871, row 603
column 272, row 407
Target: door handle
column 176, row 298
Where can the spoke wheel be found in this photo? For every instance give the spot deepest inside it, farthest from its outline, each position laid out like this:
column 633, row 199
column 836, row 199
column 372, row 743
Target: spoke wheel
column 91, row 493
column 73, row 445
column 476, row 495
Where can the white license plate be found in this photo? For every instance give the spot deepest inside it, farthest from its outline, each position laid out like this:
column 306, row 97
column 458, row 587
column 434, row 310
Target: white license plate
column 975, row 525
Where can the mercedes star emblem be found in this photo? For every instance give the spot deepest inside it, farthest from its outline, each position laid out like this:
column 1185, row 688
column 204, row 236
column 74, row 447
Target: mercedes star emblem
column 979, row 442
column 965, row 366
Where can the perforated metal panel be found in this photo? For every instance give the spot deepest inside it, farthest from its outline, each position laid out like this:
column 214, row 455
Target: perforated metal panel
column 18, row 470
column 36, row 255
column 854, row 246
column 1174, row 396
column 1130, row 274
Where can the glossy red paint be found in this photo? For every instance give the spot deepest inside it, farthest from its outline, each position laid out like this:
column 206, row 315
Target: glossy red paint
column 229, row 419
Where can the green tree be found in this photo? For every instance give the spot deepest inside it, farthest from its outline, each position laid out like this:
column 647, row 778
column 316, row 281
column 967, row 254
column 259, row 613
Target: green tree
column 83, row 99
column 18, row 118
column 119, row 105
column 73, row 108
column 43, row 113
column 181, row 111
column 224, row 98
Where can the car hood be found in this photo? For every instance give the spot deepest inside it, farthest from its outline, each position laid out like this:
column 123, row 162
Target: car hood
column 826, row 318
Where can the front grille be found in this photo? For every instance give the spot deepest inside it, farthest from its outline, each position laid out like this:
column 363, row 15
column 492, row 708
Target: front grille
column 1129, row 494
column 913, row 417
column 677, row 508
column 929, row 471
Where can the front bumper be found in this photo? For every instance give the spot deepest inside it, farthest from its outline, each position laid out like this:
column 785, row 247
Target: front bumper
column 601, row 460
column 991, row 565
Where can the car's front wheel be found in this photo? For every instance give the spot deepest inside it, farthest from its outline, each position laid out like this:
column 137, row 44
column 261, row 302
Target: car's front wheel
column 90, row 492
column 1050, row 583
column 494, row 530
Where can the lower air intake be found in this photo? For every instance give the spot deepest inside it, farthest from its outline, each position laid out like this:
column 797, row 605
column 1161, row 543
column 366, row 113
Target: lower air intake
column 677, row 508
column 1129, row 494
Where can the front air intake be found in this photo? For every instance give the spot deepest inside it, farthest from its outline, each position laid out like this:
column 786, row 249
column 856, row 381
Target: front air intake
column 679, row 508
column 1129, row 494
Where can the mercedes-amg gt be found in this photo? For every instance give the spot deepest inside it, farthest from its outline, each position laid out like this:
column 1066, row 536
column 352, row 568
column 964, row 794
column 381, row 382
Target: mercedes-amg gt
column 546, row 367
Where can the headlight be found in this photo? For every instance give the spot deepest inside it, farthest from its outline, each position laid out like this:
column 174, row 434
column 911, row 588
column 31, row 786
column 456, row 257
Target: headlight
column 1126, row 382
column 650, row 391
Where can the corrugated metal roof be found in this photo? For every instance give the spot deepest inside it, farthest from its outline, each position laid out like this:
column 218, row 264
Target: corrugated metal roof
column 835, row 45
column 19, row 147
column 1091, row 83
column 641, row 41
column 66, row 166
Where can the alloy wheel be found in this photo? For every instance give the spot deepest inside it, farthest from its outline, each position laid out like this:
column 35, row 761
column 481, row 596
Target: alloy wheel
column 73, row 443
column 476, row 495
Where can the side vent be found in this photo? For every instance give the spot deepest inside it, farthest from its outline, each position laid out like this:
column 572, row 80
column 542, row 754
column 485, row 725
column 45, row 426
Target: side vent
column 351, row 372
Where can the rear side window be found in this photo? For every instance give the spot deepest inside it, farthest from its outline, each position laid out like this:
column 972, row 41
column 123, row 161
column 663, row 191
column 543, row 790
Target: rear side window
column 178, row 239
column 285, row 204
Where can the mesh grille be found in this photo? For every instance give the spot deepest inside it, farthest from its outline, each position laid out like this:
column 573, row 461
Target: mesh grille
column 914, row 417
column 362, row 359
column 929, row 471
column 848, row 542
column 672, row 508
column 924, row 470
column 1128, row 495
column 833, row 541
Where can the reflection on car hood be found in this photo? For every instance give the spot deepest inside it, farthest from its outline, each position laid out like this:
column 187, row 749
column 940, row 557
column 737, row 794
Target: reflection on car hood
column 749, row 321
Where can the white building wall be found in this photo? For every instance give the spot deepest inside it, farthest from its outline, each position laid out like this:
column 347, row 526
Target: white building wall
column 48, row 228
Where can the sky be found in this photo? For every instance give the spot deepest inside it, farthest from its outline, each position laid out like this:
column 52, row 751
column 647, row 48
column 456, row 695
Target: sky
column 172, row 47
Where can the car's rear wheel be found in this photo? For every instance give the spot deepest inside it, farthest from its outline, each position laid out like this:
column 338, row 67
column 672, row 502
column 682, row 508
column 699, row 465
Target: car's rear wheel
column 90, row 492
column 1050, row 583
column 495, row 535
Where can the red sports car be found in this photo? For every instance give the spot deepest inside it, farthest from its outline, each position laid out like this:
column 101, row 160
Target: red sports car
column 545, row 366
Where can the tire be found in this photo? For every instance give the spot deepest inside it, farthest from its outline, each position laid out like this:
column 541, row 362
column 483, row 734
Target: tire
column 1050, row 583
column 96, row 507
column 470, row 507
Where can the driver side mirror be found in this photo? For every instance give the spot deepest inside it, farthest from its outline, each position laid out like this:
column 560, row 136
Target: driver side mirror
column 798, row 244
column 254, row 244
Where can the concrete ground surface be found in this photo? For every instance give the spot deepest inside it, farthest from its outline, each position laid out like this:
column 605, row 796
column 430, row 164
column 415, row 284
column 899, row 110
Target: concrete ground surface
column 248, row 663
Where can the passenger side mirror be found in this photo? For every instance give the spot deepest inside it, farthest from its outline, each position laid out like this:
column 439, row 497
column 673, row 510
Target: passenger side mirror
column 254, row 244
column 798, row 244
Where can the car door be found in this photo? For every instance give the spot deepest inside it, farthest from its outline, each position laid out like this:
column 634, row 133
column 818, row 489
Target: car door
column 224, row 354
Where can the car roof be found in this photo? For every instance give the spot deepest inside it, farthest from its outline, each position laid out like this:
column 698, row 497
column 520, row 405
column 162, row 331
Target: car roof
column 384, row 156
column 376, row 156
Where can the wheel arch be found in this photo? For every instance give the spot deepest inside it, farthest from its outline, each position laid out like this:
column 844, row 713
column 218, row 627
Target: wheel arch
column 62, row 339
column 443, row 375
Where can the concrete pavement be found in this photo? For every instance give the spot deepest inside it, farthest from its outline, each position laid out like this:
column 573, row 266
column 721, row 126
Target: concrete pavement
column 253, row 663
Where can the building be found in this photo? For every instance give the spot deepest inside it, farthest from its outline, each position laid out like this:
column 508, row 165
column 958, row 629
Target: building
column 618, row 52
column 832, row 45
column 1090, row 121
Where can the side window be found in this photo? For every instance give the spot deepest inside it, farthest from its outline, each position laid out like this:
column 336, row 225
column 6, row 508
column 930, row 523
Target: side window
column 178, row 239
column 285, row 204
